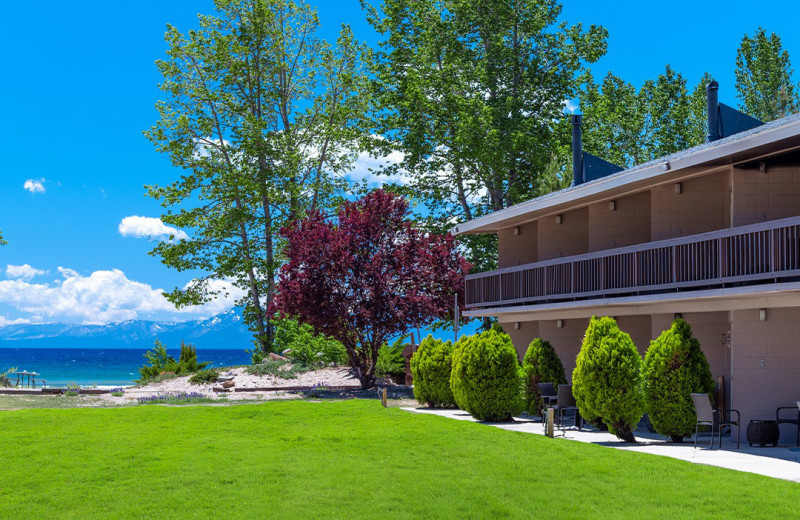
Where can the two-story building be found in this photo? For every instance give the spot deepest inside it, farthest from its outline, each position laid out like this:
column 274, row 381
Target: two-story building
column 711, row 234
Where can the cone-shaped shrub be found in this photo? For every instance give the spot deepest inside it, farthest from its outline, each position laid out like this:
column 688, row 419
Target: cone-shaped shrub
column 607, row 380
column 486, row 377
column 541, row 364
column 674, row 368
column 431, row 365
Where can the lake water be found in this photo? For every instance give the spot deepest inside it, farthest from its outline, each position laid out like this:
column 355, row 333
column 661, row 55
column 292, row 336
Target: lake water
column 101, row 367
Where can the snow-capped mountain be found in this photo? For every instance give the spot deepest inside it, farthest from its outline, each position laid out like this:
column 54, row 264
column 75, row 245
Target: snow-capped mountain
column 225, row 330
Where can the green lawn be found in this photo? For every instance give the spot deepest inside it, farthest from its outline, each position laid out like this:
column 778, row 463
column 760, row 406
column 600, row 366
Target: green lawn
column 351, row 459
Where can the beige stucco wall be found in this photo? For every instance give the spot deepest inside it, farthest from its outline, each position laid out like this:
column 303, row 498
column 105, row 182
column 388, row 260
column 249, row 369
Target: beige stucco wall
column 759, row 196
column 703, row 205
column 517, row 249
column 628, row 224
column 566, row 340
column 640, row 330
column 522, row 337
column 571, row 237
column 766, row 364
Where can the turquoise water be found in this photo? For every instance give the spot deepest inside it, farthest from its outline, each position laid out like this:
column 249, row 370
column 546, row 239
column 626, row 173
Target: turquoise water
column 101, row 367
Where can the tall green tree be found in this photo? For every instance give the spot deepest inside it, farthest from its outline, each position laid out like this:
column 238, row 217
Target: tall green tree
column 764, row 77
column 469, row 92
column 2, row 242
column 627, row 126
column 261, row 115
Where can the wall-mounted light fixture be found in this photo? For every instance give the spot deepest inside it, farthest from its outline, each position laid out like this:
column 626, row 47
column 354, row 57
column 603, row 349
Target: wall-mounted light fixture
column 677, row 316
column 560, row 324
column 678, row 188
column 762, row 314
column 762, row 167
column 516, row 230
column 612, row 205
column 516, row 325
column 559, row 219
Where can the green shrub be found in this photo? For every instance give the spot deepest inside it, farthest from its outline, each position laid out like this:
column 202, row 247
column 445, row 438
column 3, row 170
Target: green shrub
column 162, row 363
column 486, row 377
column 205, row 376
column 541, row 364
column 674, row 368
column 306, row 347
column 4, row 380
column 431, row 366
column 607, row 380
column 391, row 362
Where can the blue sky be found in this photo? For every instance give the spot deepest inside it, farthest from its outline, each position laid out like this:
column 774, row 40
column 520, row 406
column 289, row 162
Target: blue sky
column 79, row 87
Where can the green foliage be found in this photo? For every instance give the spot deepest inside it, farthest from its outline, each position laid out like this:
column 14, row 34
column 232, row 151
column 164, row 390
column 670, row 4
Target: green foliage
column 391, row 362
column 674, row 368
column 486, row 377
column 541, row 364
column 263, row 117
column 2, row 242
column 4, row 381
column 467, row 89
column 627, row 126
column 607, row 380
column 279, row 369
column 257, row 354
column 306, row 347
column 764, row 77
column 73, row 389
column 431, row 366
column 162, row 363
column 205, row 376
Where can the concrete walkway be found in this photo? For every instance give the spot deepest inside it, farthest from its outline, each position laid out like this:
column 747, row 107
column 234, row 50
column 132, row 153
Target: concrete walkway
column 782, row 462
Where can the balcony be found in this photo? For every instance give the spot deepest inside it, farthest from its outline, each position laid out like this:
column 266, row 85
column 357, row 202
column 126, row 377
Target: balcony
column 758, row 253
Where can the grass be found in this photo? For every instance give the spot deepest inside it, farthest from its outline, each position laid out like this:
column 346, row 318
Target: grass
column 346, row 459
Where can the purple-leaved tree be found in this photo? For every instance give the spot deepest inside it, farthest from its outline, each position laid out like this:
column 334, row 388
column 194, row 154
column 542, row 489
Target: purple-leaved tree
column 368, row 276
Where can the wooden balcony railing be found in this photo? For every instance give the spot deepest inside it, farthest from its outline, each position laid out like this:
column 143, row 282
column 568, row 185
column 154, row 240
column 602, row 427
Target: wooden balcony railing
column 758, row 252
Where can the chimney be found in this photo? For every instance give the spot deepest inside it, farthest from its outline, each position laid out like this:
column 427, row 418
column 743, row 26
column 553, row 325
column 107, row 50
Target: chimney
column 712, row 97
column 577, row 150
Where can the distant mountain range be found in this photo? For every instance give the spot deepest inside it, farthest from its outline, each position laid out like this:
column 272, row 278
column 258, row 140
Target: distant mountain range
column 221, row 331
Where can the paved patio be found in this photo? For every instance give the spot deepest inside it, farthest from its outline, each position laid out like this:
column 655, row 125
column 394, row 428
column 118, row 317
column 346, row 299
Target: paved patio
column 782, row 462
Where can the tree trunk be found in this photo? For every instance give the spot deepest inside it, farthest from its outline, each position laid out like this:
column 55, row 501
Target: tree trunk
column 623, row 431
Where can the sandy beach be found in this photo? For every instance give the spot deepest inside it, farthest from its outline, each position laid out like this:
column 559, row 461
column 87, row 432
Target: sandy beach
column 325, row 377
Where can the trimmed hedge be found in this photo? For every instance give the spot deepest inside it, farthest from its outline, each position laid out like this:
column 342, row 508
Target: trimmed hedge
column 541, row 364
column 431, row 366
column 674, row 368
column 486, row 376
column 607, row 380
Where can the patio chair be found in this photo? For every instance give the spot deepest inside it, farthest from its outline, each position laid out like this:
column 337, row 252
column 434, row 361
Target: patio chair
column 789, row 420
column 565, row 402
column 707, row 415
column 549, row 396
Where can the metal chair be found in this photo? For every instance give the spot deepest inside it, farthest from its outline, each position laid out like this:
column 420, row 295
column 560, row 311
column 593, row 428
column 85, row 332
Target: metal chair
column 707, row 415
column 565, row 402
column 786, row 420
column 549, row 396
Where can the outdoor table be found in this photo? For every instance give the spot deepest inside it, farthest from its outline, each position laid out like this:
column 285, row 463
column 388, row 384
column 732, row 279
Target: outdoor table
column 763, row 432
column 21, row 378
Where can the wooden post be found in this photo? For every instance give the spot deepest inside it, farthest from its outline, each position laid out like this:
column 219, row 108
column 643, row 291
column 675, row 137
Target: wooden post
column 384, row 401
column 551, row 417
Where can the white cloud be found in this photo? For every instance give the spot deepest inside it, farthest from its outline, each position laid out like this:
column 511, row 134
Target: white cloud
column 570, row 106
column 366, row 166
column 24, row 271
column 149, row 227
column 103, row 297
column 19, row 321
column 34, row 185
